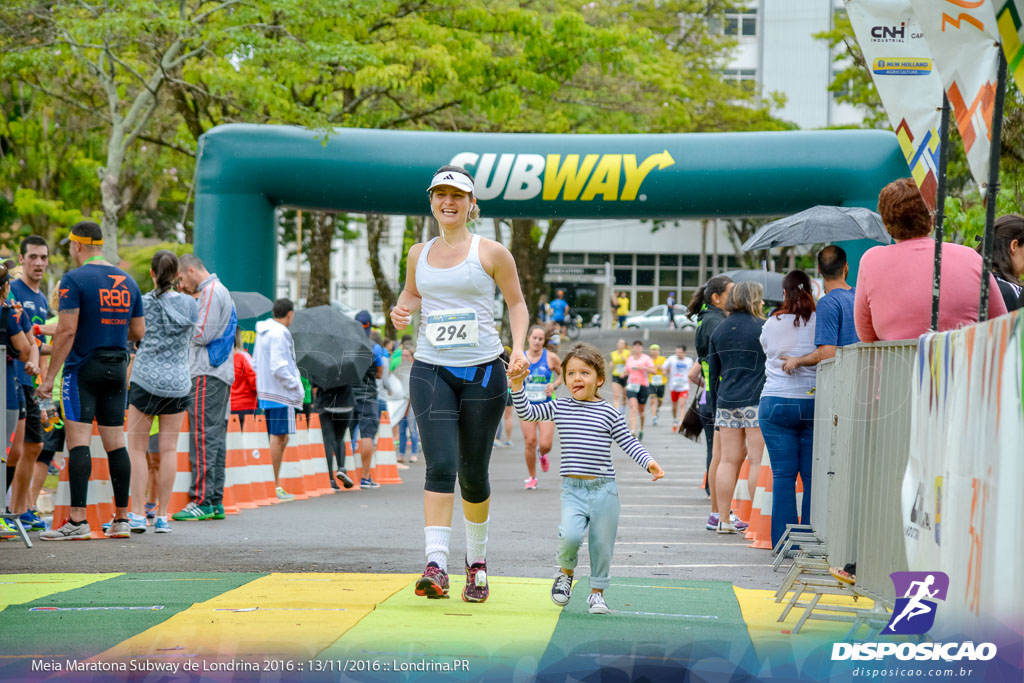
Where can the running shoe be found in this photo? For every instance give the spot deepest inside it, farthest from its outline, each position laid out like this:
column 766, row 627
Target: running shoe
column 368, row 484
column 218, row 511
column 118, row 529
column 345, row 480
column 7, row 530
column 434, row 582
column 136, row 523
column 737, row 522
column 284, row 496
column 162, row 526
column 675, row 425
column 32, row 522
column 655, row 420
column 334, row 485
column 476, row 588
column 69, row 531
column 640, row 435
column 508, row 444
column 413, row 458
column 712, row 524
column 52, row 469
column 531, row 483
column 150, row 511
column 544, row 463
column 498, row 444
column 561, row 590
column 597, row 604
column 193, row 513
column 726, row 528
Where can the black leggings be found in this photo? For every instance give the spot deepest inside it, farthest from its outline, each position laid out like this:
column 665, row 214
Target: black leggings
column 457, row 411
column 333, row 426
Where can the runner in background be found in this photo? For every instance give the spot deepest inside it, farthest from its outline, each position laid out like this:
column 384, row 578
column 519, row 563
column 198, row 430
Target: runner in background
column 678, row 368
column 622, row 310
column 541, row 382
column 619, row 356
column 560, row 311
column 13, row 336
column 670, row 309
column 100, row 312
column 658, row 382
column 639, row 367
column 457, row 383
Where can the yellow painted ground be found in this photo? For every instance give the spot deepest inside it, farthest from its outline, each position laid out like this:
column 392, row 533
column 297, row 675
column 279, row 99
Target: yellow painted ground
column 17, row 589
column 516, row 623
column 293, row 615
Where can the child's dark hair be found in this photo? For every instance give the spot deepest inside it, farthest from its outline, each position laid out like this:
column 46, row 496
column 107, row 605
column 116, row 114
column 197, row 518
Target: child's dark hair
column 589, row 355
column 165, row 270
column 637, row 341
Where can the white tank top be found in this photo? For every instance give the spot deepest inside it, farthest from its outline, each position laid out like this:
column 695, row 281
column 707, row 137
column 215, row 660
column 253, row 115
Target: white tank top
column 465, row 286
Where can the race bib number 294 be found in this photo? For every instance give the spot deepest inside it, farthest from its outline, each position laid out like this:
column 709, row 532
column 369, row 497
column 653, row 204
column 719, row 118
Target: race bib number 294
column 454, row 328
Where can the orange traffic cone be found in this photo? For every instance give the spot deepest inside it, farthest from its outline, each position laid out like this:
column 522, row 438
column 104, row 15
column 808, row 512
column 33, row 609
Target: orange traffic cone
column 290, row 475
column 741, row 502
column 762, row 529
column 183, row 473
column 100, row 498
column 257, row 454
column 385, row 470
column 317, row 477
column 234, row 469
column 353, row 470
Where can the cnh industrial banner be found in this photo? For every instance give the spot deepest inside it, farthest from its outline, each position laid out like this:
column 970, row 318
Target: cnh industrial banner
column 901, row 67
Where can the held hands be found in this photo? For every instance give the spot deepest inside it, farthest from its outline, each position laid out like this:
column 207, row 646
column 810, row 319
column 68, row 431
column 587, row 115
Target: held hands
column 401, row 317
column 45, row 389
column 789, row 364
column 516, row 375
column 518, row 365
column 655, row 469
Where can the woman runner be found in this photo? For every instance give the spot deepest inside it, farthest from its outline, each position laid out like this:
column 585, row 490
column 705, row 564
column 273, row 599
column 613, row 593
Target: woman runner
column 457, row 383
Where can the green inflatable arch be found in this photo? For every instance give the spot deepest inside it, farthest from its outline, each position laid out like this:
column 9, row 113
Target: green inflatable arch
column 244, row 172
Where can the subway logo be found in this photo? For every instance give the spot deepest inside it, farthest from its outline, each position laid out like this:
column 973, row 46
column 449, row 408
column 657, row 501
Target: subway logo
column 572, row 177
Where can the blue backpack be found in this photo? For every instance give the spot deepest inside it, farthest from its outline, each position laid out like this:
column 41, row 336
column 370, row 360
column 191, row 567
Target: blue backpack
column 219, row 350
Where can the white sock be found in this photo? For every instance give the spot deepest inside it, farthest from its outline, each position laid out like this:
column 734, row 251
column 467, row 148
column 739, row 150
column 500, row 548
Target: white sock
column 476, row 541
column 438, row 538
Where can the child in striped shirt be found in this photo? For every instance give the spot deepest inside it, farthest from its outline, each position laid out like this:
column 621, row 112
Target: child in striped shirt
column 586, row 426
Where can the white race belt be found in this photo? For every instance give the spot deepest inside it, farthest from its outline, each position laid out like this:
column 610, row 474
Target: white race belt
column 657, row 380
column 453, row 328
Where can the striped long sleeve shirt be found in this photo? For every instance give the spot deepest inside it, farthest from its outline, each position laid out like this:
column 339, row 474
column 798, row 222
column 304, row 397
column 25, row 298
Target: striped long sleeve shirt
column 585, row 430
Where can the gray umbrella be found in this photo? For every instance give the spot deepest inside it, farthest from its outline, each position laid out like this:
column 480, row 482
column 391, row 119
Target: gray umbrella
column 771, row 283
column 251, row 304
column 820, row 224
column 331, row 349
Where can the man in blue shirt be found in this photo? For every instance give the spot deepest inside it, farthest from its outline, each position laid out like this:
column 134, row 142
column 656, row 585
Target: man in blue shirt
column 100, row 312
column 560, row 310
column 366, row 413
column 834, row 320
column 28, row 440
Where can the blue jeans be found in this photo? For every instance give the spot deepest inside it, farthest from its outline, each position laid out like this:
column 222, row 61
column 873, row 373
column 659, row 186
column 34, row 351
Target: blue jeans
column 593, row 502
column 408, row 423
column 787, row 425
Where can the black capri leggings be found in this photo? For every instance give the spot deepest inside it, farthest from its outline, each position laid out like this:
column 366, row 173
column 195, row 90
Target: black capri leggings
column 333, row 426
column 457, row 411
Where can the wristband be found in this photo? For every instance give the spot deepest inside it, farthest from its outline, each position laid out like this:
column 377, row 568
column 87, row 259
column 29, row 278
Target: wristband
column 36, row 330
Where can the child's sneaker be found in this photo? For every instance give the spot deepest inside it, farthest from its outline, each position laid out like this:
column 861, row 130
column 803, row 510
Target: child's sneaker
column 162, row 526
column 597, row 604
column 433, row 583
column 561, row 590
column 530, row 483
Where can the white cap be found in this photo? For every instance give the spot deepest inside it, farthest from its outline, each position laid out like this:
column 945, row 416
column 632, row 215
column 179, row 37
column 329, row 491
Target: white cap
column 454, row 179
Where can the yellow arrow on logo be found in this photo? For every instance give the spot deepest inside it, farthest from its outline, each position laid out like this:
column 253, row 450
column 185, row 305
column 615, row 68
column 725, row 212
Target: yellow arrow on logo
column 635, row 174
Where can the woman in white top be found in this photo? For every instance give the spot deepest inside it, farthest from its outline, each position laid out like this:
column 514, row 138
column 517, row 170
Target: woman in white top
column 457, row 384
column 786, row 410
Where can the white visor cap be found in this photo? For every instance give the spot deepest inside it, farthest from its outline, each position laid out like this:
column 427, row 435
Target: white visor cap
column 454, row 179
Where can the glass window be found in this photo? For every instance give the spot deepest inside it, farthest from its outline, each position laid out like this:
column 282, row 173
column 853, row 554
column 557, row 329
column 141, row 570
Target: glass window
column 748, row 25
column 668, row 260
column 575, row 259
column 667, row 278
column 645, row 277
column 623, row 260
column 598, row 259
column 623, row 277
column 691, row 278
column 691, row 260
column 741, row 22
column 732, row 262
column 644, row 300
column 655, row 312
column 552, row 258
column 645, row 259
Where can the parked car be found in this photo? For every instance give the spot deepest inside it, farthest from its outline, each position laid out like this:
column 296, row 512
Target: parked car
column 377, row 318
column 657, row 318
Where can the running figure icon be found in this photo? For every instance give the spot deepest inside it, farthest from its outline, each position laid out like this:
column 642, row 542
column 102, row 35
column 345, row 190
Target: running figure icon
column 916, row 605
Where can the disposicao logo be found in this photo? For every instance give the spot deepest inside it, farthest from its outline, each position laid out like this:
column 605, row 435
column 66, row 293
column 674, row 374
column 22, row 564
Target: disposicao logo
column 902, row 66
column 914, row 614
column 518, row 177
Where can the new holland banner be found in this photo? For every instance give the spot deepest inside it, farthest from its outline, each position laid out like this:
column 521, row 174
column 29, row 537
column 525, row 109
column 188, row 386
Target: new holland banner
column 964, row 42
column 1011, row 32
column 911, row 91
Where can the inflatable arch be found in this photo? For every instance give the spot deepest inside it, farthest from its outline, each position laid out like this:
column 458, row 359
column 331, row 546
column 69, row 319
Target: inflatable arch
column 243, row 172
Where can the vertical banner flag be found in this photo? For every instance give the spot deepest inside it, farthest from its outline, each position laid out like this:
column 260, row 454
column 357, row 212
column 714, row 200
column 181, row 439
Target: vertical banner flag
column 1011, row 30
column 964, row 43
column 910, row 88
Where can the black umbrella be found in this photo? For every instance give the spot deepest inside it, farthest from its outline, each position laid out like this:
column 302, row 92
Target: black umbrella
column 820, row 224
column 331, row 349
column 251, row 304
column 771, row 283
